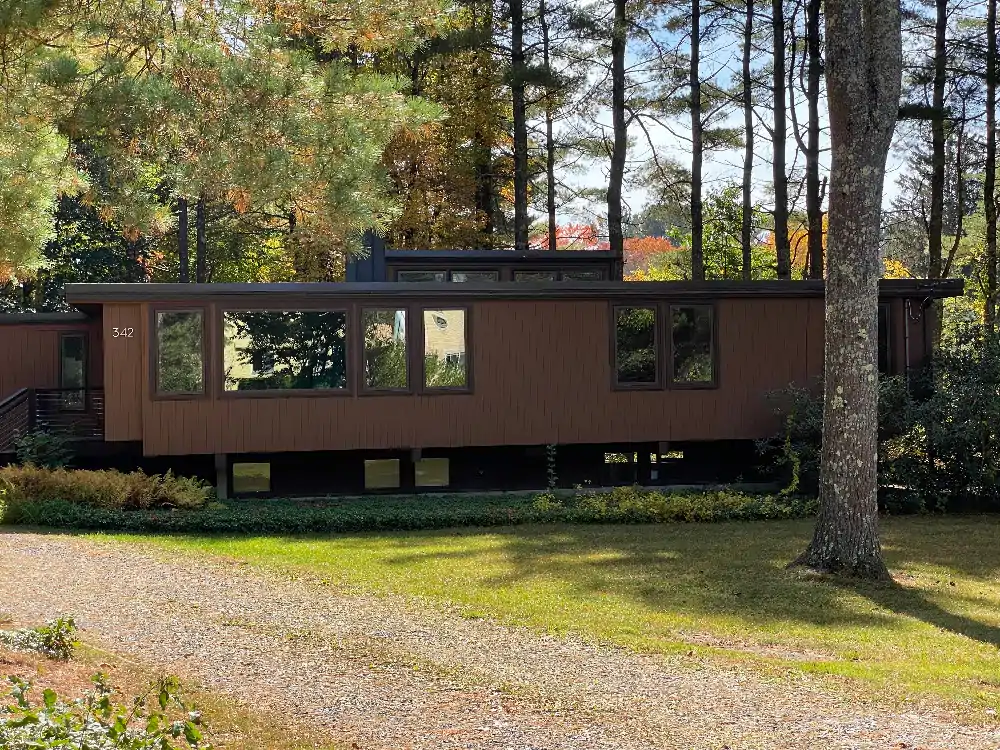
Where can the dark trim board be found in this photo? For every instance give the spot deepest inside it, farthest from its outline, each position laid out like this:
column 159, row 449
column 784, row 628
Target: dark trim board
column 46, row 318
column 87, row 295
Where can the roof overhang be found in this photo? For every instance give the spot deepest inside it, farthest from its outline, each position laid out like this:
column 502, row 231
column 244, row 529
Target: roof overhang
column 85, row 295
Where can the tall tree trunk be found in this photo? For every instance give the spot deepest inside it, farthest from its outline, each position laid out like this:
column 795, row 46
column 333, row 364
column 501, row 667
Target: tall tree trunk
column 200, row 241
column 182, row 241
column 550, row 142
column 616, row 235
column 747, row 229
column 779, row 139
column 864, row 72
column 989, row 188
column 814, row 193
column 520, row 125
column 935, row 224
column 483, row 142
column 697, row 148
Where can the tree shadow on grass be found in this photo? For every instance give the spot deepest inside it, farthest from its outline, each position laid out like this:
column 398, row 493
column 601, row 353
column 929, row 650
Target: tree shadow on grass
column 734, row 570
column 914, row 603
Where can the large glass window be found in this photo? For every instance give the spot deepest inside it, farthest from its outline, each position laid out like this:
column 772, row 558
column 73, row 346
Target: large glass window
column 445, row 363
column 691, row 344
column 285, row 350
column 421, row 276
column 385, row 349
column 462, row 276
column 73, row 370
column 180, row 356
column 635, row 345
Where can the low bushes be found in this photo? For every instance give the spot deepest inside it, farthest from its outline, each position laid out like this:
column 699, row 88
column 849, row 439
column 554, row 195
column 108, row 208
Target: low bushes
column 154, row 721
column 55, row 639
column 24, row 487
column 622, row 505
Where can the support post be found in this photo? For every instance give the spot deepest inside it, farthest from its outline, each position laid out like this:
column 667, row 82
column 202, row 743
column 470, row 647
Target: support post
column 221, row 476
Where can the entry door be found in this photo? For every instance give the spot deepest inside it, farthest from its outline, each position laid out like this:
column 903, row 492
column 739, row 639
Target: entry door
column 73, row 371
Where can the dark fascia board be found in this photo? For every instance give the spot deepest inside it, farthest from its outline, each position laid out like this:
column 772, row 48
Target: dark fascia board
column 505, row 256
column 83, row 295
column 44, row 318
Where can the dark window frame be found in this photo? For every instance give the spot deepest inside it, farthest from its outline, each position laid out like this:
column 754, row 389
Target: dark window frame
column 669, row 348
column 656, row 307
column 220, row 358
column 85, row 337
column 363, row 389
column 154, row 353
column 419, row 353
column 554, row 270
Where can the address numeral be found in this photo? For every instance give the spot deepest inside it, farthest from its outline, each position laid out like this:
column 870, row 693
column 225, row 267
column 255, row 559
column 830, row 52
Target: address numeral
column 122, row 333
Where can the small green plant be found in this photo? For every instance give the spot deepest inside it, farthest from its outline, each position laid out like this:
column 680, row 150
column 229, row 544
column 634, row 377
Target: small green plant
column 550, row 467
column 54, row 639
column 44, row 449
column 95, row 722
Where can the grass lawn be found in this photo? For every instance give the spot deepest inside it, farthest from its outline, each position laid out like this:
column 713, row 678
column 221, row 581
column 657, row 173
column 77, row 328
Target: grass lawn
column 719, row 590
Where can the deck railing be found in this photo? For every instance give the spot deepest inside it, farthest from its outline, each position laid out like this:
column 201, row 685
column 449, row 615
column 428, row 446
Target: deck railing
column 73, row 413
column 16, row 418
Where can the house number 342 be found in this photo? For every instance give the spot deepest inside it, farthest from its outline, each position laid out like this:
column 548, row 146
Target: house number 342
column 122, row 333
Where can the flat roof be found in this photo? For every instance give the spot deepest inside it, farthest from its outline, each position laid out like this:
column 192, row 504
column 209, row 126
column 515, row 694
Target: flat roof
column 505, row 256
column 88, row 294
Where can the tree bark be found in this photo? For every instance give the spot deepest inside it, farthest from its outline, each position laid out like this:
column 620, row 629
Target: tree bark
column 550, row 143
column 935, row 224
column 483, row 142
column 864, row 72
column 697, row 148
column 746, row 237
column 182, row 241
column 814, row 196
column 989, row 186
column 616, row 235
column 779, row 139
column 200, row 241
column 520, row 126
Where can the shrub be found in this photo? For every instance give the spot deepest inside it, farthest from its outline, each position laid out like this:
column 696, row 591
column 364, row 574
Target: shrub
column 54, row 639
column 625, row 505
column 40, row 448
column 95, row 722
column 24, row 486
column 939, row 433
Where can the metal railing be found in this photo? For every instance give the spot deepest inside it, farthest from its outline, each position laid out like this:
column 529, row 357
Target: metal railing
column 16, row 418
column 74, row 413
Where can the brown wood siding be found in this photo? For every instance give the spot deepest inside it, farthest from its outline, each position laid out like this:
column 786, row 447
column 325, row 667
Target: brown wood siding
column 542, row 374
column 29, row 355
column 125, row 373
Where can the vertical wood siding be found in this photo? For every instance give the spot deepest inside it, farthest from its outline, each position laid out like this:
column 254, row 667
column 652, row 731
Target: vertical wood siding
column 29, row 355
column 124, row 372
column 542, row 374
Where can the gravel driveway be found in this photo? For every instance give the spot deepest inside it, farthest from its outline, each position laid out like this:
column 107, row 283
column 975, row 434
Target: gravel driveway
column 385, row 673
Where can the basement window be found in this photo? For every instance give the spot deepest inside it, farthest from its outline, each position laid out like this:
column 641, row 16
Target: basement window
column 432, row 472
column 249, row 478
column 382, row 474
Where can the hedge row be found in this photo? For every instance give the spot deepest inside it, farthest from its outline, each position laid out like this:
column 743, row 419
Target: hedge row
column 622, row 505
column 27, row 485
